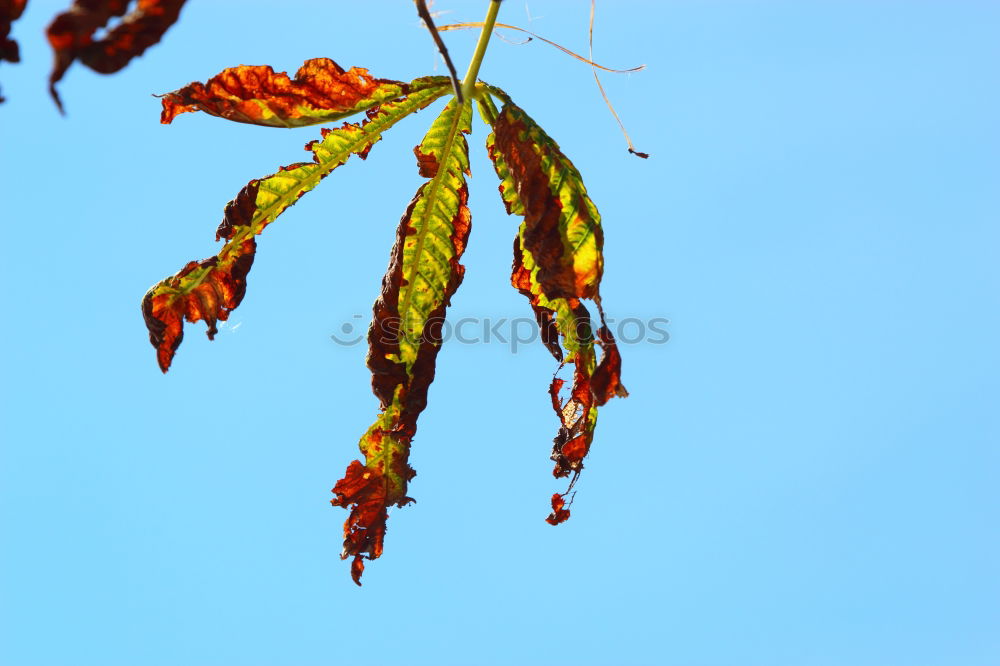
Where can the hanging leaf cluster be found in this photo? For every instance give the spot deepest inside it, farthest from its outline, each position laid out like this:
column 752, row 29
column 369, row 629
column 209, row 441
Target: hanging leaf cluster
column 558, row 260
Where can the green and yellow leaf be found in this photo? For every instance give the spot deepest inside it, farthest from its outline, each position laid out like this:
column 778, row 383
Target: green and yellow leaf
column 405, row 335
column 210, row 289
column 321, row 92
column 558, row 261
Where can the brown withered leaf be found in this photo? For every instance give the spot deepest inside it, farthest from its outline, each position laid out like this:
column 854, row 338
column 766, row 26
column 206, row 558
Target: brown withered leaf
column 405, row 335
column 72, row 34
column 592, row 387
column 558, row 261
column 320, row 92
column 559, row 513
column 10, row 11
column 363, row 491
column 606, row 381
column 561, row 228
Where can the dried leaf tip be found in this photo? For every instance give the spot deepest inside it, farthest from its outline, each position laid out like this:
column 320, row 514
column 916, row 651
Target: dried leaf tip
column 559, row 513
column 357, row 568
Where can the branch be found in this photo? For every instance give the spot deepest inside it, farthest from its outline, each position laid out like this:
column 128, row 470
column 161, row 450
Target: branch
column 425, row 15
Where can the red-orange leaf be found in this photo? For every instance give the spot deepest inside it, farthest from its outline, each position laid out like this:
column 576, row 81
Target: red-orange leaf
column 203, row 290
column 363, row 491
column 71, row 34
column 320, row 92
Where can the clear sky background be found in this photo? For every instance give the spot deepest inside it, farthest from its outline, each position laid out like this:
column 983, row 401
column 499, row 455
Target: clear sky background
column 805, row 475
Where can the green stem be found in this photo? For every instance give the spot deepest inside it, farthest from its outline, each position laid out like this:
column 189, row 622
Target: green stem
column 469, row 83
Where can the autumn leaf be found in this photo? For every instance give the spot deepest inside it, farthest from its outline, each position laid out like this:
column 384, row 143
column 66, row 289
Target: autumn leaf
column 320, row 92
column 558, row 261
column 204, row 290
column 562, row 228
column 72, row 34
column 405, row 334
column 10, row 11
column 210, row 289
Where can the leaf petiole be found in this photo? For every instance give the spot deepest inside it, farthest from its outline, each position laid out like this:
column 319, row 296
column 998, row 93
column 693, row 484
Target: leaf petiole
column 469, row 82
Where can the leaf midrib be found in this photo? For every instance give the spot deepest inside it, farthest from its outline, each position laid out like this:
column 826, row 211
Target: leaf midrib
column 430, row 200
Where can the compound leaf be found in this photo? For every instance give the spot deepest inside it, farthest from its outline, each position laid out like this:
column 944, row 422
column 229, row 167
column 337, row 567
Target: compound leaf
column 320, row 92
column 405, row 334
column 210, row 289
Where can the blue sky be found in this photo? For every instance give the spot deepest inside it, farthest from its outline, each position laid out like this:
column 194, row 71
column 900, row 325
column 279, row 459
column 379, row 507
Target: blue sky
column 806, row 474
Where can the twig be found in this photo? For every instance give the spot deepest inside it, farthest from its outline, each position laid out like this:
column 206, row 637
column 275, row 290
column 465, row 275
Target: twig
column 607, row 101
column 479, row 24
column 429, row 22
